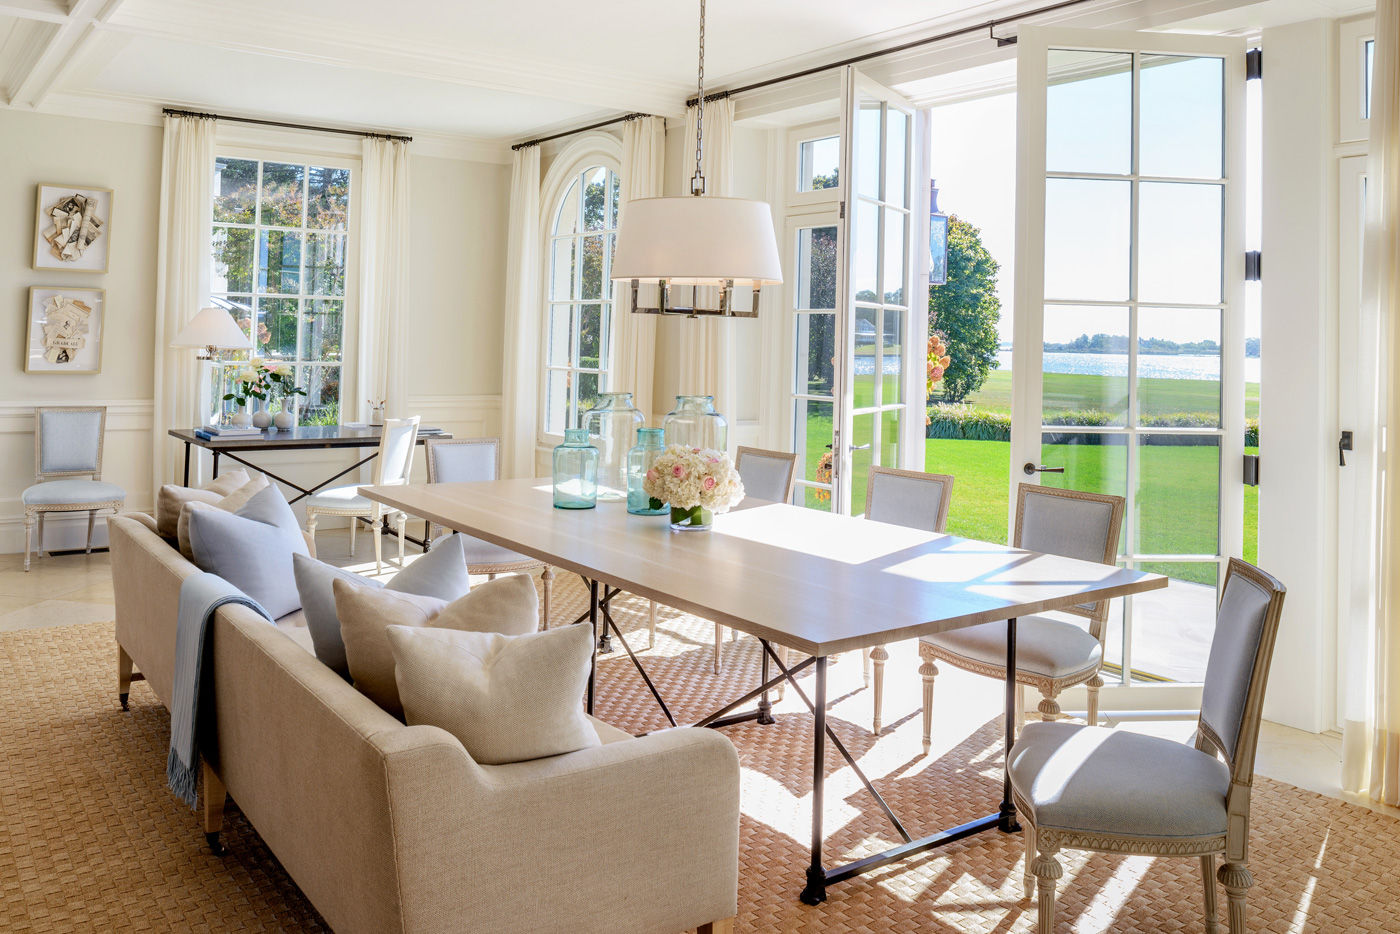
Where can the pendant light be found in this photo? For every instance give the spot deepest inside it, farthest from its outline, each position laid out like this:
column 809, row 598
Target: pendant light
column 697, row 241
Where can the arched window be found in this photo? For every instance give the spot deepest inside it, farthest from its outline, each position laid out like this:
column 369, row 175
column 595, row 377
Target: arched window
column 578, row 303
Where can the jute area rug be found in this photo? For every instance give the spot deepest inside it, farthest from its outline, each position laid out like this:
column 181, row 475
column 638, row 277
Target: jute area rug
column 91, row 840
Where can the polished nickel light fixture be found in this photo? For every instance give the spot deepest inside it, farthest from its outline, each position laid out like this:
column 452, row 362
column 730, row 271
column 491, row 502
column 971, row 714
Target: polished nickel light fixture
column 721, row 243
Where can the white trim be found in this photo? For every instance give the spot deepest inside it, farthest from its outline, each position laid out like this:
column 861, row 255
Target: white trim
column 1352, row 36
column 122, row 414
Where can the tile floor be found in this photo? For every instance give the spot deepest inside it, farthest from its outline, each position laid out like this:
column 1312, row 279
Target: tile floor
column 65, row 589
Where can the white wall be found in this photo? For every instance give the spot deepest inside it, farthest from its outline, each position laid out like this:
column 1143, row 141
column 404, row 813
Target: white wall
column 455, row 333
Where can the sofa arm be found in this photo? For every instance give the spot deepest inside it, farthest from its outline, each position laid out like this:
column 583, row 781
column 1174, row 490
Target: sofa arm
column 640, row 835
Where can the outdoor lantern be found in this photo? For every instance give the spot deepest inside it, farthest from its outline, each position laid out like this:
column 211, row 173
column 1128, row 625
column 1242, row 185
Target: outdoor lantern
column 717, row 243
column 937, row 238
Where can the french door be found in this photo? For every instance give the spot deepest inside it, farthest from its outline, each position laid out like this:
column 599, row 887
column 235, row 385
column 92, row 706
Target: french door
column 1130, row 311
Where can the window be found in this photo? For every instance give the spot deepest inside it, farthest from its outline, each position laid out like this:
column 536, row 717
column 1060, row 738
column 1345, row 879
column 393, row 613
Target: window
column 817, row 163
column 579, row 300
column 278, row 253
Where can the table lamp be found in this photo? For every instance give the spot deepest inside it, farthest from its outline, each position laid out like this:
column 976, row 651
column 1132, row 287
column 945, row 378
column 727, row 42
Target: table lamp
column 212, row 330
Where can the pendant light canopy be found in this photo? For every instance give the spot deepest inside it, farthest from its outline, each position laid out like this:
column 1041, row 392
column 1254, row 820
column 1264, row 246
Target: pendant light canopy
column 697, row 241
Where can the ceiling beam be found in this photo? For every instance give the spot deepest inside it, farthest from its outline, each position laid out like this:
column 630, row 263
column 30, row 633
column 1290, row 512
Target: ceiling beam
column 62, row 51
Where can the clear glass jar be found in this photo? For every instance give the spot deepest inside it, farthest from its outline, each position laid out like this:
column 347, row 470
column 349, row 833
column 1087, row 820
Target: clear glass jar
column 612, row 426
column 694, row 423
column 650, row 443
column 575, row 472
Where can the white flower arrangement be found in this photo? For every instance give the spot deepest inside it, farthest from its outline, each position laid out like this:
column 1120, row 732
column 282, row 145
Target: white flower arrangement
column 685, row 478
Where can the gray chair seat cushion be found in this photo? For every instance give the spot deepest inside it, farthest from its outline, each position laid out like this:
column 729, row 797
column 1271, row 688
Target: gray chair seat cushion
column 341, row 497
column 72, row 492
column 1096, row 780
column 481, row 553
column 1047, row 647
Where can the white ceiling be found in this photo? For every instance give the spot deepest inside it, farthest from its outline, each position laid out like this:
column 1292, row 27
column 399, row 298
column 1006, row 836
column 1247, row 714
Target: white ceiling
column 490, row 72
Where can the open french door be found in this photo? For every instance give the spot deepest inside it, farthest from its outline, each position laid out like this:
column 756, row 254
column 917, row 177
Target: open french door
column 1129, row 330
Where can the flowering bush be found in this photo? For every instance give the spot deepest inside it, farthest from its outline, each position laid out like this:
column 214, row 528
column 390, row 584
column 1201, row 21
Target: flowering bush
column 688, row 477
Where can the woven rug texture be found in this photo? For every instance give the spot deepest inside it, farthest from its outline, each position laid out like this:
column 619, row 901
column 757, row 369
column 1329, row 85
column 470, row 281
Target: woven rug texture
column 90, row 839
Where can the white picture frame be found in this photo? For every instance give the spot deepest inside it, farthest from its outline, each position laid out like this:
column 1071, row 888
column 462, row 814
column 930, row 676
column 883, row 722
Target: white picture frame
column 92, row 255
column 72, row 345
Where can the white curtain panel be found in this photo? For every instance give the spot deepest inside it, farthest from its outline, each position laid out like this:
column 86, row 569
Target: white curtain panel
column 706, row 345
column 1371, row 626
column 384, row 304
column 182, row 281
column 634, row 335
column 519, row 402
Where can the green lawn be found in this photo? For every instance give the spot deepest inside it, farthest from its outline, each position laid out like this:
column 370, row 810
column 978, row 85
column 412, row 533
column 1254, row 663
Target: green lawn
column 1087, row 390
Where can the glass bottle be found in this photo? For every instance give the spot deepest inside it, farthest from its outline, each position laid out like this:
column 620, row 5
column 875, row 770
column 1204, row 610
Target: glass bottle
column 612, row 426
column 650, row 443
column 575, row 472
column 694, row 423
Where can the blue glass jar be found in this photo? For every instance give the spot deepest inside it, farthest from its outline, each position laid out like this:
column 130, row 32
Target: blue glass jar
column 575, row 471
column 650, row 443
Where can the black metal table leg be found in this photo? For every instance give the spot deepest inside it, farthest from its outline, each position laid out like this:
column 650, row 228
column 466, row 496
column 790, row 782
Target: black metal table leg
column 605, row 645
column 1007, row 820
column 765, row 706
column 815, row 891
column 187, row 464
column 215, row 452
column 593, row 664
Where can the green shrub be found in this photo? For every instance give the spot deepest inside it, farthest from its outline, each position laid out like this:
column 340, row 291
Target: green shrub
column 961, row 421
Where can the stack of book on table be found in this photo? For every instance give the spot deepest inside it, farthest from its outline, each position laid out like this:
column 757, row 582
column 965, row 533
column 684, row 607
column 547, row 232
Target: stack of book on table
column 217, row 432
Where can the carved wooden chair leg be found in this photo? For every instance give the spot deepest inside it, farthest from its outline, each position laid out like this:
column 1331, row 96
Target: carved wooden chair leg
column 1237, row 881
column 402, row 523
column 1020, row 707
column 786, row 656
column 28, row 536
column 40, row 548
column 1049, row 707
column 651, row 624
column 1047, row 872
column 865, row 661
column 491, row 576
column 214, row 798
column 1092, row 687
column 378, row 529
column 928, row 671
column 547, row 579
column 92, row 519
column 123, row 677
column 1208, row 878
column 1027, row 876
column 354, row 524
column 311, row 518
column 878, row 656
column 719, row 642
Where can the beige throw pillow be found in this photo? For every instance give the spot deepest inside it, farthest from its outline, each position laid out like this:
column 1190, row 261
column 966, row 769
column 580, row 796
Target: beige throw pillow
column 233, row 501
column 506, row 698
column 173, row 496
column 507, row 605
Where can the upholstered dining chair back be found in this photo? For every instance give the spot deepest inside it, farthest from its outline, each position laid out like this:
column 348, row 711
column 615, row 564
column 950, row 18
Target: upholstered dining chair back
column 463, row 460
column 68, row 441
column 766, row 474
column 1072, row 524
column 910, row 498
column 396, row 446
column 1232, row 699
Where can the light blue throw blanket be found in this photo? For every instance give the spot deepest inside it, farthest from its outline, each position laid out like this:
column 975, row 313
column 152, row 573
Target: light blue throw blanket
column 200, row 595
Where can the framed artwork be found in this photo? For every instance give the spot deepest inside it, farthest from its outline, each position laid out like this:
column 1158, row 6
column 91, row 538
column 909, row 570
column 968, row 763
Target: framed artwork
column 65, row 330
column 72, row 229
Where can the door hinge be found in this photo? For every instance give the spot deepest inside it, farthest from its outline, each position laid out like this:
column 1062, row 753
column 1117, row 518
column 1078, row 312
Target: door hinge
column 1253, row 64
column 1253, row 266
column 1251, row 470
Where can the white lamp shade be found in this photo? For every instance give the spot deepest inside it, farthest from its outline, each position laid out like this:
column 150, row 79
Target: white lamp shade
column 213, row 327
column 697, row 241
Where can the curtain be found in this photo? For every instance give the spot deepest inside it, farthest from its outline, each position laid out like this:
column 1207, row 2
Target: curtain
column 634, row 335
column 383, row 313
column 1371, row 624
column 706, row 345
column 182, row 281
column 521, row 368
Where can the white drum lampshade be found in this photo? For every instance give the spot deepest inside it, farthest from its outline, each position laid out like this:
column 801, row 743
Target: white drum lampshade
column 213, row 329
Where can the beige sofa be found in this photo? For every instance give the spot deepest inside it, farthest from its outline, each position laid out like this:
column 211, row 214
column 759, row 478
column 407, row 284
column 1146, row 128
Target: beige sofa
column 387, row 827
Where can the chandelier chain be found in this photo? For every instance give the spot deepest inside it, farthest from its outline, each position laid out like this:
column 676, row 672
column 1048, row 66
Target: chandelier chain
column 697, row 182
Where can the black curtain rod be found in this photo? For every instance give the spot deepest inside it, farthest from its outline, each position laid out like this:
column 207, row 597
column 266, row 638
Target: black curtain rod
column 174, row 112
column 990, row 25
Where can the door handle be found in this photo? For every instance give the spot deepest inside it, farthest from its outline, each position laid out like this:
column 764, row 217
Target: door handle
column 1033, row 469
column 860, row 447
column 1344, row 445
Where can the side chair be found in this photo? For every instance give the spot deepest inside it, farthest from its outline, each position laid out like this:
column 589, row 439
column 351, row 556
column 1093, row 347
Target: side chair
column 393, row 465
column 68, row 443
column 1087, row 787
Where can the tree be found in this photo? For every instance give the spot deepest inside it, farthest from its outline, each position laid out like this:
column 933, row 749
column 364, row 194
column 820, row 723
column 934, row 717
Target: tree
column 965, row 311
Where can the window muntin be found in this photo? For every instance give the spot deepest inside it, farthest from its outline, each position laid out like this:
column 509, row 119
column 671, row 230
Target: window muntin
column 578, row 303
column 278, row 254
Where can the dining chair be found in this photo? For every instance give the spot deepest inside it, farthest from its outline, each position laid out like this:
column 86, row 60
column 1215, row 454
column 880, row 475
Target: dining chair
column 1086, row 787
column 915, row 500
column 1051, row 654
column 478, row 460
column 68, row 443
column 397, row 442
column 767, row 475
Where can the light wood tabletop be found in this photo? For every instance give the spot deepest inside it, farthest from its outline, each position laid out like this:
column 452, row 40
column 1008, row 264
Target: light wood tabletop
column 810, row 580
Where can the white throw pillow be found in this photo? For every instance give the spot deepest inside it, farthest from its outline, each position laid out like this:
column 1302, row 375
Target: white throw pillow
column 506, row 698
column 506, row 605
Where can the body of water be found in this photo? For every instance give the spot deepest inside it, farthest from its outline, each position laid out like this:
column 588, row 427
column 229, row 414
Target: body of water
column 1150, row 366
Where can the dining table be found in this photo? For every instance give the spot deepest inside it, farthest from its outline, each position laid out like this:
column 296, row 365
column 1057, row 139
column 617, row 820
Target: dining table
column 799, row 579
